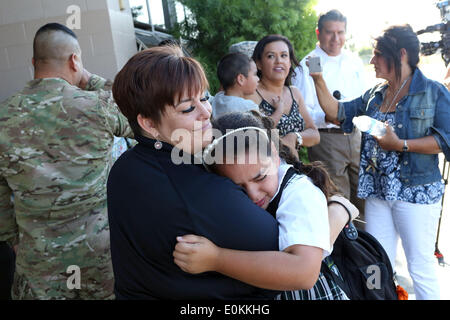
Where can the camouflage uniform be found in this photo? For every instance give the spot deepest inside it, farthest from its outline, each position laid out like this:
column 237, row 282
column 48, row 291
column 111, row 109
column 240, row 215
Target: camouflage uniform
column 55, row 155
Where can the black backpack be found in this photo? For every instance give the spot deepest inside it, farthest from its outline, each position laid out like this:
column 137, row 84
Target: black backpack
column 365, row 272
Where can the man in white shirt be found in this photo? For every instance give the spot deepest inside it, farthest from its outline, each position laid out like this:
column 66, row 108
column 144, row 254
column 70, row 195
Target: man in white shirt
column 343, row 73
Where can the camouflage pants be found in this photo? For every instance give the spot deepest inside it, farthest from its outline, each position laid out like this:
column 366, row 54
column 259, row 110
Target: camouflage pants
column 97, row 283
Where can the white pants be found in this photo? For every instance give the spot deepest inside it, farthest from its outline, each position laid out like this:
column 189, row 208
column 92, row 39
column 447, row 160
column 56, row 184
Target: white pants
column 416, row 224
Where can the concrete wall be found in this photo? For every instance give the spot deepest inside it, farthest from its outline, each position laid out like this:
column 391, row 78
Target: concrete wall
column 106, row 36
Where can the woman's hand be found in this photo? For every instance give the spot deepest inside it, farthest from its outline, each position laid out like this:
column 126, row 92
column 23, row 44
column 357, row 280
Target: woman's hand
column 390, row 141
column 346, row 203
column 84, row 79
column 278, row 103
column 314, row 75
column 195, row 254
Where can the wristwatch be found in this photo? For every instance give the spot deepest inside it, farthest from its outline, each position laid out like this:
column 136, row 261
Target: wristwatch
column 299, row 140
column 405, row 146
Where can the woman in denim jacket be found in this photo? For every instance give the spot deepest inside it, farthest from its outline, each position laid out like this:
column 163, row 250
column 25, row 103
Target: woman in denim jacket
column 399, row 174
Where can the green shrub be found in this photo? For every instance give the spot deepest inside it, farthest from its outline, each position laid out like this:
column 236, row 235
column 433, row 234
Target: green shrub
column 212, row 26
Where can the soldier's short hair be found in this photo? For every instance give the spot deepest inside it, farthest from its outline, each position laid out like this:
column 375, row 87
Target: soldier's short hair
column 54, row 41
column 154, row 79
column 332, row 15
column 230, row 66
column 54, row 26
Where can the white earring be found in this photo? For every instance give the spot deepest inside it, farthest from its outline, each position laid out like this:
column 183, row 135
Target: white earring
column 158, row 145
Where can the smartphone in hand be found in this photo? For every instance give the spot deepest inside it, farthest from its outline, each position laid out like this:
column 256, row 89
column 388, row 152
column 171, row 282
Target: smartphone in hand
column 314, row 64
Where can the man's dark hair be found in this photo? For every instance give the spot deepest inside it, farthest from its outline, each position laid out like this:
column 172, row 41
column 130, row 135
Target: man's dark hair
column 54, row 26
column 45, row 48
column 230, row 66
column 332, row 15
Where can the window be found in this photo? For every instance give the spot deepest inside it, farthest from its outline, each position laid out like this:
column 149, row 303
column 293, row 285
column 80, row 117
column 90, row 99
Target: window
column 163, row 13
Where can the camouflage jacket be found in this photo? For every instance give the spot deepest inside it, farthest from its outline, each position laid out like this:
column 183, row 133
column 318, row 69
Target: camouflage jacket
column 55, row 155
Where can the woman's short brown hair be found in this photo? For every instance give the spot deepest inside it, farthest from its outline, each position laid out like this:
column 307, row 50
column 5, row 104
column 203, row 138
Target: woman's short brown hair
column 153, row 79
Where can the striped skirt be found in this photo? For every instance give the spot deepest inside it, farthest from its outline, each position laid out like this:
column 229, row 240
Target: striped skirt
column 324, row 289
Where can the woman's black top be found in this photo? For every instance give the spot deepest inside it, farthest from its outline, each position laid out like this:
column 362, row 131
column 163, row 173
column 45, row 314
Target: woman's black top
column 152, row 200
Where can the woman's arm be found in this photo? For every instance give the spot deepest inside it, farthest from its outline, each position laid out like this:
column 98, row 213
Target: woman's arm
column 297, row 267
column 290, row 141
column 311, row 134
column 391, row 142
column 338, row 216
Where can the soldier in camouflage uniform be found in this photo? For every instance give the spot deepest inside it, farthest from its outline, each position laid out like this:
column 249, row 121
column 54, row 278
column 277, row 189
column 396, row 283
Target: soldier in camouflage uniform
column 55, row 155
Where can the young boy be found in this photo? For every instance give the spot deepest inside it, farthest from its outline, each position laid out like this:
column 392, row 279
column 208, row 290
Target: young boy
column 237, row 75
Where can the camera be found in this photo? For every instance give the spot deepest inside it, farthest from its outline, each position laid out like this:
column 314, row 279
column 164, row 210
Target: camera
column 429, row 48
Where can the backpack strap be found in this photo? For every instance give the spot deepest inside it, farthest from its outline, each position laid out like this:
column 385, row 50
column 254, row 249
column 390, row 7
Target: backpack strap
column 273, row 205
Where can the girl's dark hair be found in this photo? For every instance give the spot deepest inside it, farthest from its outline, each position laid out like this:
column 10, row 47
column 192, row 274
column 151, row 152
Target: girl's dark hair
column 259, row 50
column 235, row 120
column 392, row 41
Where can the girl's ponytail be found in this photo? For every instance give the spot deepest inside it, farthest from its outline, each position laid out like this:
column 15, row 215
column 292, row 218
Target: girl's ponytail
column 316, row 171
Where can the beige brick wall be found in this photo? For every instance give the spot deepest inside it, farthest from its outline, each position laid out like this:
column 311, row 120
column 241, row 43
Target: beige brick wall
column 106, row 36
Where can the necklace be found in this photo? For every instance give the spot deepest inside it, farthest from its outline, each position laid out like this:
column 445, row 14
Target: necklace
column 373, row 159
column 272, row 93
column 395, row 96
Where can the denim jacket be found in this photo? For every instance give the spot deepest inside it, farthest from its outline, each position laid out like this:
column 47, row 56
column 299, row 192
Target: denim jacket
column 424, row 111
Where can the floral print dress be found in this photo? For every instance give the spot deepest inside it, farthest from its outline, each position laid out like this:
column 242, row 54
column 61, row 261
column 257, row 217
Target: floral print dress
column 379, row 173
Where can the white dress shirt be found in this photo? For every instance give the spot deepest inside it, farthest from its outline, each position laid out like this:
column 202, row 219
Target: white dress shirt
column 343, row 72
column 302, row 213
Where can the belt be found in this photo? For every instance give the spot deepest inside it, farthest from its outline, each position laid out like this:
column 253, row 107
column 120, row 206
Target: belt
column 331, row 130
